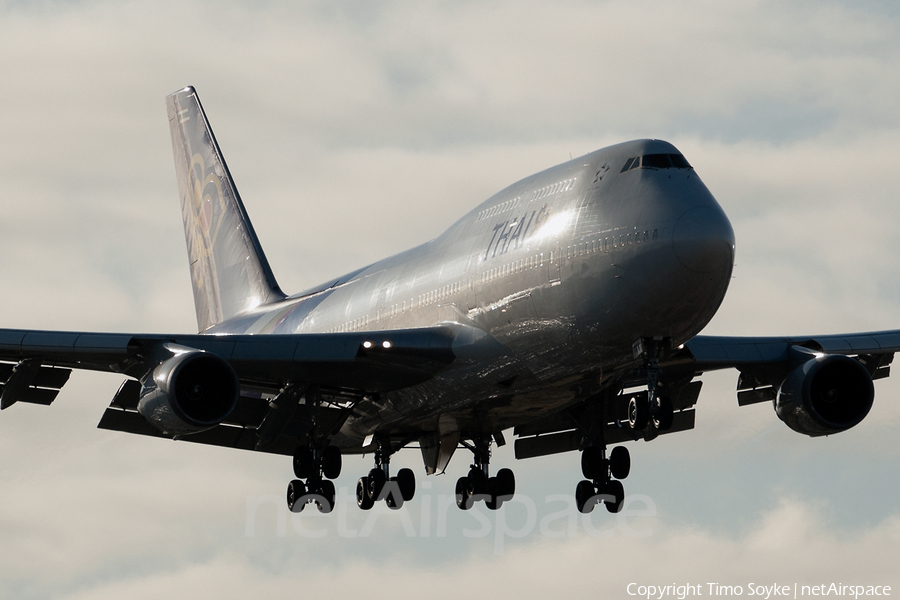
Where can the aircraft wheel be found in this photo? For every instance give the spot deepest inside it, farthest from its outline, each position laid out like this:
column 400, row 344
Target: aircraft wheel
column 665, row 414
column 325, row 496
column 406, row 480
column 363, row 499
column 585, row 497
column 619, row 462
column 617, row 491
column 462, row 493
column 493, row 500
column 593, row 465
column 393, row 497
column 477, row 482
column 331, row 462
column 506, row 482
column 296, row 495
column 377, row 480
column 304, row 465
column 638, row 413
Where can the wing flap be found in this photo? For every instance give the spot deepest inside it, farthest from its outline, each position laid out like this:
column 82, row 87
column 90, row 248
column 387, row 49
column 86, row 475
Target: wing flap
column 224, row 435
column 29, row 381
column 568, row 441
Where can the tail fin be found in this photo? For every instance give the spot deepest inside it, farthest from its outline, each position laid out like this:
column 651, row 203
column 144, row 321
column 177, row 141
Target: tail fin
column 229, row 271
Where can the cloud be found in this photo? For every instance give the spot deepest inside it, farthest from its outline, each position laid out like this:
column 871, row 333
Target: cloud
column 777, row 551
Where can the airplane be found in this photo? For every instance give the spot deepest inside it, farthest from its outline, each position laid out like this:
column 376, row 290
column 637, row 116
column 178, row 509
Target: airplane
column 566, row 308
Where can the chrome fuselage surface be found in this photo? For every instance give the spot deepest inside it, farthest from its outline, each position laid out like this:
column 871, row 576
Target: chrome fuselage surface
column 566, row 269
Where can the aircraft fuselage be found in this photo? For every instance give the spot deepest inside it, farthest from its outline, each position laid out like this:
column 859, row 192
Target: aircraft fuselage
column 566, row 268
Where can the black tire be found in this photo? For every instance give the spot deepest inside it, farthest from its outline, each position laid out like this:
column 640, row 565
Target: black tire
column 304, row 465
column 326, row 495
column 377, row 479
column 493, row 500
column 617, row 491
column 477, row 482
column 638, row 412
column 296, row 496
column 331, row 462
column 462, row 493
column 406, row 479
column 392, row 497
column 585, row 496
column 665, row 414
column 619, row 462
column 363, row 499
column 593, row 466
column 506, row 483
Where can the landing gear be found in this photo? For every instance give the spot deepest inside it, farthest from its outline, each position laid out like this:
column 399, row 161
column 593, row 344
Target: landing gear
column 479, row 485
column 379, row 485
column 602, row 478
column 652, row 412
column 317, row 466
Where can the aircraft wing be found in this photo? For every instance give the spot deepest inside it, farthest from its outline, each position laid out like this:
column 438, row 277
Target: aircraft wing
column 352, row 366
column 718, row 352
column 825, row 382
column 829, row 375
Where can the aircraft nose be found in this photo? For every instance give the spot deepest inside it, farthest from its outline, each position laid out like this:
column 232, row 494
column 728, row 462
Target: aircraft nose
column 703, row 240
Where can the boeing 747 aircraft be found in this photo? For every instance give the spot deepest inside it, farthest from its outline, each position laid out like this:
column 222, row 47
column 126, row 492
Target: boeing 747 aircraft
column 565, row 308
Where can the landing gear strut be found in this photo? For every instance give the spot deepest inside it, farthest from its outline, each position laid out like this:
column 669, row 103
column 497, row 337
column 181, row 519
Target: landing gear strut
column 479, row 485
column 379, row 485
column 652, row 412
column 317, row 466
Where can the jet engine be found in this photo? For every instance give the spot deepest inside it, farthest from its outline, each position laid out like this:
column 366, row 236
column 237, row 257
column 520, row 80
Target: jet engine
column 827, row 394
column 192, row 391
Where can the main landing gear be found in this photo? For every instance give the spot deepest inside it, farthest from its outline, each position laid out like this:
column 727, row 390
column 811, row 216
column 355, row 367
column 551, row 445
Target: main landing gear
column 379, row 485
column 317, row 466
column 602, row 478
column 479, row 485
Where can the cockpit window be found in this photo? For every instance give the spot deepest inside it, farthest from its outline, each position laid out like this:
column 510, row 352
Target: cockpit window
column 657, row 161
column 679, row 161
column 631, row 163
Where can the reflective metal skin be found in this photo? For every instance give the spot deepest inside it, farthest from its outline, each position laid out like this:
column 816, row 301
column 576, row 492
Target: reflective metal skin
column 565, row 306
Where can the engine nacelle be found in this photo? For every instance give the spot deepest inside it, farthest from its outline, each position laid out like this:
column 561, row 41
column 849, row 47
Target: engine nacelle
column 190, row 392
column 828, row 394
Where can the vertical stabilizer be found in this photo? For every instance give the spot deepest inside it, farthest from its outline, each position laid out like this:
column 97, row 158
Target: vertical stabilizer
column 229, row 272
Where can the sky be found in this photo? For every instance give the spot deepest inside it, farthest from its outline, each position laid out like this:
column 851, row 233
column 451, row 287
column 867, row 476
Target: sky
column 355, row 130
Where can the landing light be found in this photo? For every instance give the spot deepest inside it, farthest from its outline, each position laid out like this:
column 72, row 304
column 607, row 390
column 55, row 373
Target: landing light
column 386, row 345
column 367, row 344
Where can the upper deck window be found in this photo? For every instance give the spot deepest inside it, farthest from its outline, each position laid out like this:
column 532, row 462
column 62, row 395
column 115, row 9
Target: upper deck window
column 657, row 161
